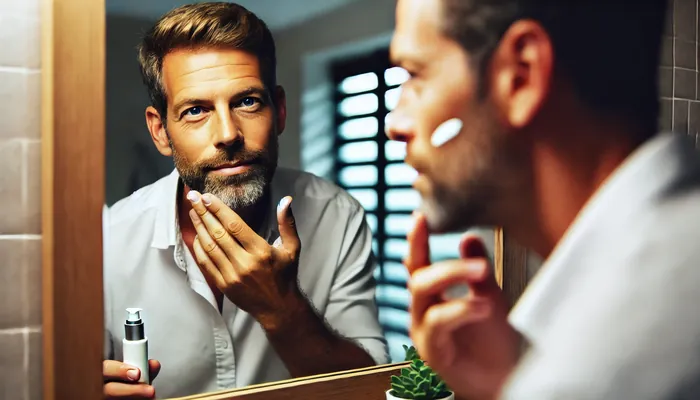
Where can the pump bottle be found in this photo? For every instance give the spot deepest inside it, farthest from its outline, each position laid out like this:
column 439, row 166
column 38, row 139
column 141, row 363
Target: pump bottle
column 135, row 343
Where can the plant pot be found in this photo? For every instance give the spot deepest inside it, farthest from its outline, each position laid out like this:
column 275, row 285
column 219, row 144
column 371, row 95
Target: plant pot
column 390, row 396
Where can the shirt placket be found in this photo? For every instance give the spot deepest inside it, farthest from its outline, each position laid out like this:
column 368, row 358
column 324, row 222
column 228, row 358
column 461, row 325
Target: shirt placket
column 223, row 344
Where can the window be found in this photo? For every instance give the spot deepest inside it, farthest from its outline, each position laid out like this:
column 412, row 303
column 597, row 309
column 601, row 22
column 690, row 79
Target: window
column 370, row 167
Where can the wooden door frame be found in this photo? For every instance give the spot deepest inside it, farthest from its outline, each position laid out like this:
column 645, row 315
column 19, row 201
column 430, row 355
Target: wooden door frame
column 73, row 137
column 73, row 191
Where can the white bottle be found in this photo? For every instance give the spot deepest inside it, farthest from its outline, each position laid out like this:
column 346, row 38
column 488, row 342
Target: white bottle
column 135, row 343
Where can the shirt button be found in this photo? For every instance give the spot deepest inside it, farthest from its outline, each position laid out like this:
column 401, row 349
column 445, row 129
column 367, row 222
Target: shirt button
column 222, row 343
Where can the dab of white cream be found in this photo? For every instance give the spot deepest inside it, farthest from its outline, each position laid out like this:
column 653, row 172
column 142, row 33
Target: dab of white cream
column 446, row 132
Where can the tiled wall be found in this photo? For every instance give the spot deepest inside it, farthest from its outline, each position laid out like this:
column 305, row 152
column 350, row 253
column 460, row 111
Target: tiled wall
column 20, row 210
column 679, row 83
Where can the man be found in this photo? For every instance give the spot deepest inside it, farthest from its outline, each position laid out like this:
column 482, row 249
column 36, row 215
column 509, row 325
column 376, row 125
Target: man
column 540, row 116
column 235, row 290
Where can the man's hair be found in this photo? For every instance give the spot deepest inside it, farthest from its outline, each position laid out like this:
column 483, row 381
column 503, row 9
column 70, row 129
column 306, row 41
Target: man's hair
column 608, row 49
column 204, row 25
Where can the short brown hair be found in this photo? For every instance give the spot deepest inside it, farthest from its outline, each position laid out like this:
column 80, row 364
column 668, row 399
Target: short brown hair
column 610, row 50
column 202, row 25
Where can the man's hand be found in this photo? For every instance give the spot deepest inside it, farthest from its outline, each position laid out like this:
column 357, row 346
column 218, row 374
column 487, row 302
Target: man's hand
column 121, row 380
column 259, row 278
column 468, row 340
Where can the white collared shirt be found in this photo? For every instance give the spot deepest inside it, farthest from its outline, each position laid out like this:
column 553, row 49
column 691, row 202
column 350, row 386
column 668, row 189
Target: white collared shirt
column 147, row 265
column 612, row 314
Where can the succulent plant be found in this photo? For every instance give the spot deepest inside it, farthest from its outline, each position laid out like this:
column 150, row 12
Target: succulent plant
column 418, row 381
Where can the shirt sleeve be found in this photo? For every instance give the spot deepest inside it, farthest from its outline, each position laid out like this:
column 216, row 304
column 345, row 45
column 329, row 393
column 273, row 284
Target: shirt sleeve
column 352, row 309
column 620, row 336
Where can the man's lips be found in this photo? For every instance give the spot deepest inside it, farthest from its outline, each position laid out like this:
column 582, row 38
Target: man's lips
column 232, row 168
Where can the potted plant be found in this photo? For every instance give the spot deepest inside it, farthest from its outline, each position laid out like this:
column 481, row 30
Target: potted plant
column 418, row 381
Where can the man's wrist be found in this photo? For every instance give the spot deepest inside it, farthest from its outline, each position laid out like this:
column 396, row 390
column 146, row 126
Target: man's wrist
column 295, row 311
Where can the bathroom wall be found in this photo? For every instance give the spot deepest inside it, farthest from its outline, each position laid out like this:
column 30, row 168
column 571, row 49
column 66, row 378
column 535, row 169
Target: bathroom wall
column 20, row 188
column 678, row 81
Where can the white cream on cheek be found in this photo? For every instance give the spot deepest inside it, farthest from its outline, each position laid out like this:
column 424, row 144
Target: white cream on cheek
column 446, row 131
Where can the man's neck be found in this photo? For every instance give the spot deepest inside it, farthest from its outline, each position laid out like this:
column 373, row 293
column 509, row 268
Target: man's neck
column 253, row 215
column 567, row 169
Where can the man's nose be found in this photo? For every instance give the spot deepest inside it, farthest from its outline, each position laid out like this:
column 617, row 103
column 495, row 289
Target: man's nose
column 228, row 132
column 399, row 126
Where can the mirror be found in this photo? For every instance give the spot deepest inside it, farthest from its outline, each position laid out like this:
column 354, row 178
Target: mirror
column 352, row 213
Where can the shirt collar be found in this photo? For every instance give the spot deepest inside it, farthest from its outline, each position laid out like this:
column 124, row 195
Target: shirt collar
column 166, row 225
column 640, row 177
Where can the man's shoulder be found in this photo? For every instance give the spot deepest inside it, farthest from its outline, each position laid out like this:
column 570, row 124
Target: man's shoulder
column 307, row 187
column 144, row 201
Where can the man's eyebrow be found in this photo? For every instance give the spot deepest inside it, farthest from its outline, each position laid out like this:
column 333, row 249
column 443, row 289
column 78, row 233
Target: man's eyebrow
column 251, row 90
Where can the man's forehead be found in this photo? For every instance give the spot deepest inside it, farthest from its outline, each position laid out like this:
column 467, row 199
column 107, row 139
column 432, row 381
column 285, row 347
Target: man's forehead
column 417, row 28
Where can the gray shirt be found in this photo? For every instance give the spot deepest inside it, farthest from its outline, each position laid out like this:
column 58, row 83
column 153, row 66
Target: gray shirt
column 613, row 313
column 147, row 265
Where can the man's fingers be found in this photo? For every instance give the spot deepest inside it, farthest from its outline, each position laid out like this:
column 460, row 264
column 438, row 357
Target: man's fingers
column 207, row 266
column 418, row 245
column 154, row 368
column 121, row 391
column 113, row 370
column 206, row 222
column 288, row 226
column 442, row 320
column 233, row 223
column 428, row 284
column 215, row 252
column 472, row 247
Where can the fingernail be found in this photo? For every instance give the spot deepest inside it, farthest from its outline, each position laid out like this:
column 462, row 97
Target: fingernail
column 283, row 203
column 475, row 267
column 193, row 196
column 206, row 199
column 132, row 374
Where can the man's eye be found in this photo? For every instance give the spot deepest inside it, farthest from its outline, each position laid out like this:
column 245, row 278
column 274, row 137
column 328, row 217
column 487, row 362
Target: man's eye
column 249, row 102
column 194, row 111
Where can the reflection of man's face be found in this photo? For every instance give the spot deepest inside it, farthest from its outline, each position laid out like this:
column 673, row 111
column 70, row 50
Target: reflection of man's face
column 456, row 181
column 222, row 127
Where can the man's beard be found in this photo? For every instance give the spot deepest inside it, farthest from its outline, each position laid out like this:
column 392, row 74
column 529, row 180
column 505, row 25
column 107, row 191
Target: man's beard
column 237, row 191
column 467, row 194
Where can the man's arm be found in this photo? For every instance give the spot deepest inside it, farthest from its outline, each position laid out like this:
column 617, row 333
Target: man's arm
column 350, row 335
column 308, row 346
column 262, row 279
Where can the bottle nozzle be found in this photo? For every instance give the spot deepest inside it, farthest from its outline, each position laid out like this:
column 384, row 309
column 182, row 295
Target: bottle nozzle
column 133, row 314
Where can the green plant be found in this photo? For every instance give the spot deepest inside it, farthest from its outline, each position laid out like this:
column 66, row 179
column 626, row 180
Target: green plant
column 418, row 381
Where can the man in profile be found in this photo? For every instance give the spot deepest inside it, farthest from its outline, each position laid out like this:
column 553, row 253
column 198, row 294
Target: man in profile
column 540, row 116
column 236, row 288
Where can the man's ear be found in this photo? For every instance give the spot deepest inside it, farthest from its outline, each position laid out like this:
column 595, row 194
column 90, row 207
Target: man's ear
column 280, row 98
column 157, row 129
column 521, row 72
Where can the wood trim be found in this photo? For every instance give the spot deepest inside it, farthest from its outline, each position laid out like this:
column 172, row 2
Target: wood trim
column 510, row 266
column 364, row 383
column 73, row 135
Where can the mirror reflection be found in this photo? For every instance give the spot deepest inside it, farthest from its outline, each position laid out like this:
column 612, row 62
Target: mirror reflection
column 257, row 214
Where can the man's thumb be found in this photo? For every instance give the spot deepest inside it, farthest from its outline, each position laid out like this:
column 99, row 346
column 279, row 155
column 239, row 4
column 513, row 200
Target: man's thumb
column 287, row 225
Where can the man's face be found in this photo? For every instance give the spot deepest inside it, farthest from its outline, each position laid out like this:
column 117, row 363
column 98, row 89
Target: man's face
column 456, row 180
column 222, row 125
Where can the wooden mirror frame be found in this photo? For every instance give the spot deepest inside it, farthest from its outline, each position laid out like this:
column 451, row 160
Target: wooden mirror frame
column 73, row 191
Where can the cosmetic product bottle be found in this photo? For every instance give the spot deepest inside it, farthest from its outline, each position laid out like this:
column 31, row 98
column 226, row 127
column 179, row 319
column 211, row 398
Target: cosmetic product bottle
column 135, row 343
